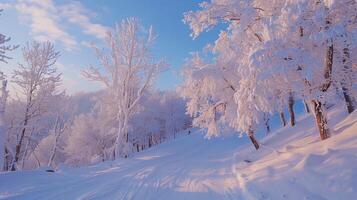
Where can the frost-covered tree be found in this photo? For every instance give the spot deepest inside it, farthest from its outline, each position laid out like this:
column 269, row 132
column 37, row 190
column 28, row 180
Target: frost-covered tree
column 3, row 99
column 344, row 24
column 286, row 50
column 87, row 142
column 208, row 95
column 49, row 145
column 126, row 72
column 4, row 48
column 304, row 51
column 37, row 81
column 244, row 35
column 90, row 137
column 211, row 90
column 161, row 118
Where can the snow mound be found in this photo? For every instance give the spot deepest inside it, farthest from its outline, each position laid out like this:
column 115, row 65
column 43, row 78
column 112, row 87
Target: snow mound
column 292, row 164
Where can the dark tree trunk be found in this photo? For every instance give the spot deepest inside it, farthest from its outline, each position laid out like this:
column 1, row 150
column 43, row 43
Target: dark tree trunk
column 253, row 140
column 321, row 120
column 350, row 102
column 114, row 153
column 282, row 118
column 150, row 141
column 307, row 109
column 291, row 103
column 328, row 68
column 19, row 144
column 6, row 159
column 346, row 83
column 267, row 126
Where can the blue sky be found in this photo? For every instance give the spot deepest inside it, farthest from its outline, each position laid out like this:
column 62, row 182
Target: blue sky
column 72, row 25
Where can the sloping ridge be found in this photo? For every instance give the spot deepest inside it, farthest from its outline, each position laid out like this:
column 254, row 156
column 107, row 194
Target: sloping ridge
column 292, row 164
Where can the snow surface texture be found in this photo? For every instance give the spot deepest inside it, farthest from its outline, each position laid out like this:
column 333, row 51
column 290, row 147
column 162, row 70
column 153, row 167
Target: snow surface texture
column 292, row 164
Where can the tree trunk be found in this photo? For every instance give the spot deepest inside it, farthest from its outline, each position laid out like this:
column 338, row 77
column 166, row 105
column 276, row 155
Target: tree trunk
column 24, row 156
column 307, row 109
column 137, row 147
column 321, row 120
column 37, row 160
column 58, row 130
column 19, row 144
column 320, row 117
column 301, row 31
column 346, row 83
column 23, row 131
column 3, row 99
column 53, row 154
column 253, row 140
column 267, row 126
column 282, row 118
column 291, row 109
column 350, row 102
column 150, row 141
column 121, row 137
column 6, row 159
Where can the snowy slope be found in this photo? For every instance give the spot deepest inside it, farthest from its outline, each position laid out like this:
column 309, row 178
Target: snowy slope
column 292, row 164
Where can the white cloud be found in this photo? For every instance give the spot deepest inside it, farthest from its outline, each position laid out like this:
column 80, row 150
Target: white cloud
column 44, row 22
column 62, row 24
column 77, row 14
column 5, row 6
column 87, row 44
column 47, row 20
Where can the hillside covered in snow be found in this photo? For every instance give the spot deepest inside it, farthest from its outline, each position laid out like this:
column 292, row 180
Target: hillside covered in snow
column 292, row 163
column 178, row 100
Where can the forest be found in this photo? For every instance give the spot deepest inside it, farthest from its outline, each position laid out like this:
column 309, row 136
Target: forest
column 265, row 66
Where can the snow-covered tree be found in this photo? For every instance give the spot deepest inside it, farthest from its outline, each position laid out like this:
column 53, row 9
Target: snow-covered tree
column 4, row 48
column 3, row 99
column 37, row 81
column 49, row 146
column 244, row 35
column 161, row 118
column 126, row 72
column 344, row 24
column 211, row 90
column 303, row 50
column 286, row 50
column 87, row 142
column 89, row 138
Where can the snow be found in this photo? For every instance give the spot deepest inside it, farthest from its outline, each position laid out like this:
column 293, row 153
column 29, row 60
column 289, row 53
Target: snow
column 293, row 163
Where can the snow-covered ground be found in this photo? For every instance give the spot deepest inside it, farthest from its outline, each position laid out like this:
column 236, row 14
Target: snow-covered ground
column 292, row 164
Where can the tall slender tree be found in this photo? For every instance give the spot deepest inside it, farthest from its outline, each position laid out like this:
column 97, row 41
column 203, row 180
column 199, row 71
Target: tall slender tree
column 4, row 48
column 37, row 79
column 127, row 72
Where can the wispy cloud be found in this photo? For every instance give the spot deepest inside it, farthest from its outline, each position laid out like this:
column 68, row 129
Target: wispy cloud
column 77, row 14
column 5, row 6
column 47, row 20
column 87, row 44
column 44, row 22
